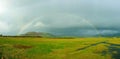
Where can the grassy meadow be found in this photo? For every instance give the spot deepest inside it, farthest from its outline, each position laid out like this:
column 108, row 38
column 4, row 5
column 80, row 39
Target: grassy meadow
column 55, row 48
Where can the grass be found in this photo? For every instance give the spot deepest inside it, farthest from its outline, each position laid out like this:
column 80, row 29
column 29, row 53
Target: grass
column 49, row 48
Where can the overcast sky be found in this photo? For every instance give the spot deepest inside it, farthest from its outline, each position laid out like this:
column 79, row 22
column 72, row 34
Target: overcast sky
column 61, row 17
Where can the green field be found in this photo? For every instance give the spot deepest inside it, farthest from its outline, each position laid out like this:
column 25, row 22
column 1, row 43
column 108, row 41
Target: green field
column 48, row 48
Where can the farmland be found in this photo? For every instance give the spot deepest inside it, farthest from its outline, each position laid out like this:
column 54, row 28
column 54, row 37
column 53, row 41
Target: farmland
column 56, row 48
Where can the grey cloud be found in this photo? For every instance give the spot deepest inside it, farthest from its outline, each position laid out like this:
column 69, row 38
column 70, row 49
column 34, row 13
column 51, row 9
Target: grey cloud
column 62, row 14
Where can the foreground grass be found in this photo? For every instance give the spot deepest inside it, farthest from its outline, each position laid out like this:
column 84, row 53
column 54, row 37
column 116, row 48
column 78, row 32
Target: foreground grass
column 46, row 48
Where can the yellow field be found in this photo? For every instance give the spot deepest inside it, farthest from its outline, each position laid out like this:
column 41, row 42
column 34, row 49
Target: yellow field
column 48, row 48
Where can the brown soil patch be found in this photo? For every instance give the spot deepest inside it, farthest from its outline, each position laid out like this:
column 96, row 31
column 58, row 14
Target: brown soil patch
column 22, row 46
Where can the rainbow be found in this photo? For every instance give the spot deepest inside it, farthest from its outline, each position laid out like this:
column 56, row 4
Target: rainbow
column 92, row 25
column 26, row 26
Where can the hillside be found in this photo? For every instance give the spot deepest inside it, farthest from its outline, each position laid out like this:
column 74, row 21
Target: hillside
column 41, row 34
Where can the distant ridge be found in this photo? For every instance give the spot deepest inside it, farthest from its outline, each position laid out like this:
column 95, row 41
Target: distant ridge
column 39, row 34
column 49, row 35
column 111, row 35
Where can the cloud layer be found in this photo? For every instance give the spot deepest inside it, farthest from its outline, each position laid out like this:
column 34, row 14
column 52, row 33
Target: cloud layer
column 61, row 17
